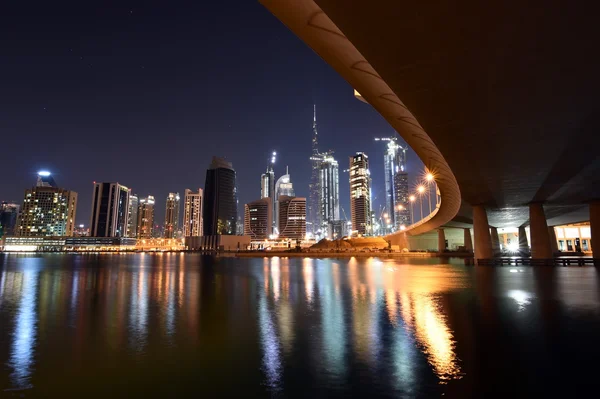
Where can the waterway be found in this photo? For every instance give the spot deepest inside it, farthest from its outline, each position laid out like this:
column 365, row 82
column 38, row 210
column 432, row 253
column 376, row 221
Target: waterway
column 187, row 325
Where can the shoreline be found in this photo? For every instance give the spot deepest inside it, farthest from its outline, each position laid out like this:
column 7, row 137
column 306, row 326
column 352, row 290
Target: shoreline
column 329, row 254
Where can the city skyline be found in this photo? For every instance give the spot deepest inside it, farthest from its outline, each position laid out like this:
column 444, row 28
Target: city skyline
column 138, row 92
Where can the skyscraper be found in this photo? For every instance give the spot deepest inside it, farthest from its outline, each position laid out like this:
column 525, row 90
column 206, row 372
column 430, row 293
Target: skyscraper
column 360, row 193
column 171, row 215
column 110, row 210
column 267, row 185
column 329, row 191
column 257, row 218
column 145, row 217
column 314, row 221
column 292, row 217
column 394, row 164
column 47, row 210
column 283, row 186
column 8, row 218
column 401, row 202
column 132, row 219
column 220, row 199
column 192, row 213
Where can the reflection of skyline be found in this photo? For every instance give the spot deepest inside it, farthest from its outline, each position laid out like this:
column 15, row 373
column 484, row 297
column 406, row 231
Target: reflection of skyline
column 24, row 336
column 328, row 319
column 407, row 297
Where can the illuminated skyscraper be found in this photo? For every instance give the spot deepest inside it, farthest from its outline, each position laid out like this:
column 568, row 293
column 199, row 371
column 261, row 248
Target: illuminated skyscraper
column 192, row 213
column 283, row 186
column 132, row 216
column 267, row 185
column 360, row 194
column 257, row 219
column 171, row 215
column 220, row 199
column 110, row 210
column 292, row 217
column 401, row 202
column 314, row 221
column 47, row 210
column 329, row 191
column 145, row 217
column 394, row 164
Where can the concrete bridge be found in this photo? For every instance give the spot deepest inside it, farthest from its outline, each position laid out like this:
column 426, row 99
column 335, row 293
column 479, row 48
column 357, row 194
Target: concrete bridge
column 497, row 98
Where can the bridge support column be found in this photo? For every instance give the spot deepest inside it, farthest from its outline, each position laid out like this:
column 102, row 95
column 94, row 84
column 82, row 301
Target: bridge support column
column 441, row 240
column 468, row 240
column 495, row 240
column 553, row 242
column 540, row 239
column 523, row 243
column 481, row 230
column 595, row 227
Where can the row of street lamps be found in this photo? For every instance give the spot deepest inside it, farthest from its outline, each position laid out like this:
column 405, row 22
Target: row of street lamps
column 421, row 188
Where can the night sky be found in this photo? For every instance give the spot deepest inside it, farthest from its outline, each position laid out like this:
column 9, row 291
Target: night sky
column 145, row 93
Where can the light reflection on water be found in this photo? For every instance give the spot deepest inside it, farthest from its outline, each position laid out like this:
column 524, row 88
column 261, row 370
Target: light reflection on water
column 305, row 324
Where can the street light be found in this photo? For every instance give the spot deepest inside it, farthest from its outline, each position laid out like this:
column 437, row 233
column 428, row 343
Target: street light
column 429, row 179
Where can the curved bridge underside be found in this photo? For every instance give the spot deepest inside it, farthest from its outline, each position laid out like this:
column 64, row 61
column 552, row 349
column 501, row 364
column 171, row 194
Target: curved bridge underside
column 505, row 90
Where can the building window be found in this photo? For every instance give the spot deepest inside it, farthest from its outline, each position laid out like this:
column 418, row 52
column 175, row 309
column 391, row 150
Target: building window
column 561, row 245
column 585, row 245
column 569, row 245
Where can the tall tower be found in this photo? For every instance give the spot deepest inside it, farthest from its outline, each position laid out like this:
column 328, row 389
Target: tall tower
column 220, row 199
column 360, row 193
column 314, row 220
column 329, row 191
column 292, row 217
column 267, row 186
column 145, row 217
column 132, row 216
column 47, row 210
column 192, row 213
column 395, row 164
column 110, row 210
column 257, row 219
column 283, row 186
column 172, row 215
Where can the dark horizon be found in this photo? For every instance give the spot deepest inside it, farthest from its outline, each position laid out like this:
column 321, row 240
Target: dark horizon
column 145, row 95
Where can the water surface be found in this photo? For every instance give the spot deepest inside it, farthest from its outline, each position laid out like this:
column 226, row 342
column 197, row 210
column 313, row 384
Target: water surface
column 166, row 325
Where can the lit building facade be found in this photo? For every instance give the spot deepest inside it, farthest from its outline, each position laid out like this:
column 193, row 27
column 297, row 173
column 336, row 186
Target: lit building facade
column 171, row 215
column 47, row 210
column 314, row 221
column 292, row 217
column 145, row 217
column 329, row 192
column 401, row 201
column 360, row 194
column 110, row 210
column 9, row 213
column 285, row 187
column 396, row 182
column 258, row 216
column 132, row 216
column 574, row 237
column 267, row 185
column 192, row 213
column 220, row 199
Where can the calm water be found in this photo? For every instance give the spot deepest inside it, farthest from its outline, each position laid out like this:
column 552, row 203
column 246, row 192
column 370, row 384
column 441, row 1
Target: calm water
column 189, row 325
